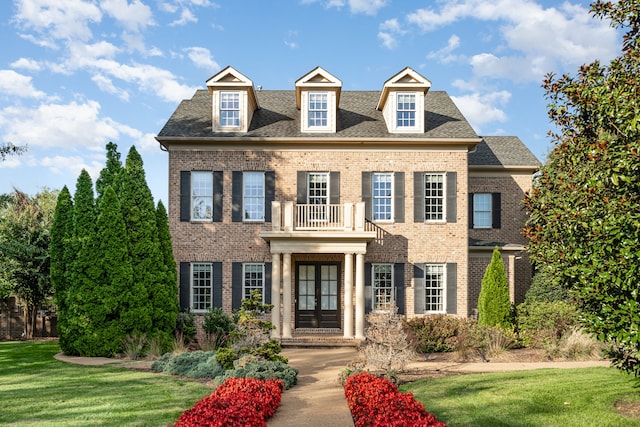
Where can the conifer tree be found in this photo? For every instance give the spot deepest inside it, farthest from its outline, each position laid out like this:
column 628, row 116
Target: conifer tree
column 169, row 303
column 494, row 307
column 61, row 256
column 111, row 175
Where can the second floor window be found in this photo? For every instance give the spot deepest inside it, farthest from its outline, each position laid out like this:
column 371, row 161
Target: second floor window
column 406, row 110
column 482, row 210
column 201, row 196
column 382, row 195
column 318, row 110
column 434, row 197
column 230, row 109
column 253, row 279
column 318, row 188
column 253, row 196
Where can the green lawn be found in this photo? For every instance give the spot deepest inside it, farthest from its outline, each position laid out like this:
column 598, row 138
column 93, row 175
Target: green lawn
column 36, row 389
column 547, row 397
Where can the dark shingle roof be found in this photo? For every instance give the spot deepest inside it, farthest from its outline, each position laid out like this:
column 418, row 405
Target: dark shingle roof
column 357, row 118
column 502, row 151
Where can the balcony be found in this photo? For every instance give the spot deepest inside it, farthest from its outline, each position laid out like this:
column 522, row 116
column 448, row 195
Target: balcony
column 318, row 228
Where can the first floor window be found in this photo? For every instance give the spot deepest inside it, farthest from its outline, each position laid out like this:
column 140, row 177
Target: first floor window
column 253, row 194
column 382, row 185
column 434, row 284
column 482, row 210
column 253, row 279
column 201, row 196
column 383, row 297
column 201, row 286
column 434, row 197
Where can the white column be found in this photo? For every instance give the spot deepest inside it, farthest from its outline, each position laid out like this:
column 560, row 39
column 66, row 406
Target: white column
column 512, row 278
column 348, row 296
column 275, row 295
column 359, row 296
column 286, row 296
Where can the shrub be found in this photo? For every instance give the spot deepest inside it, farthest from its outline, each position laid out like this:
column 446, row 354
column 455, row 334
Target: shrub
column 159, row 364
column 376, row 401
column 254, row 367
column 387, row 345
column 186, row 326
column 436, row 333
column 577, row 344
column 544, row 289
column 494, row 307
column 196, row 364
column 218, row 326
column 541, row 324
column 134, row 345
column 225, row 357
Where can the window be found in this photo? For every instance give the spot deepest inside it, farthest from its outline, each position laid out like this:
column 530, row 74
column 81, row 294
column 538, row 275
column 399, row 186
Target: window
column 434, row 284
column 201, row 196
column 201, row 286
column 482, row 210
column 253, row 196
column 318, row 187
column 383, row 298
column 253, row 279
column 382, row 185
column 230, row 109
column 434, row 197
column 318, row 110
column 406, row 110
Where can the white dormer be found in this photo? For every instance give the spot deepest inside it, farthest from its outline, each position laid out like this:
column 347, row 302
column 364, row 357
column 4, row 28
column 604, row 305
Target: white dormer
column 233, row 101
column 317, row 98
column 402, row 102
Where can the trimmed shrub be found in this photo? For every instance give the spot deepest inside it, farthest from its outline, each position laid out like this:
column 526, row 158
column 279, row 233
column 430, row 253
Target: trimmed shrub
column 542, row 324
column 494, row 307
column 254, row 367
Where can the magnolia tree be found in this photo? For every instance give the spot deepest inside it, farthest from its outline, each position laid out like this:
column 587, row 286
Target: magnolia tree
column 584, row 225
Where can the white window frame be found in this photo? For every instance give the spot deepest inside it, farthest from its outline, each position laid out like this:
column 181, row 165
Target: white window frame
column 253, row 198
column 375, row 287
column 235, row 119
column 442, row 287
column 388, row 198
column 204, row 289
column 410, row 122
column 312, row 110
column 429, row 214
column 253, row 277
column 201, row 194
column 482, row 206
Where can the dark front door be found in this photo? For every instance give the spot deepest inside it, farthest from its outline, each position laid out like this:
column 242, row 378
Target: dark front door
column 317, row 295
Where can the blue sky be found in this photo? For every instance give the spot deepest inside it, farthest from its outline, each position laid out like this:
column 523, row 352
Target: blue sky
column 76, row 74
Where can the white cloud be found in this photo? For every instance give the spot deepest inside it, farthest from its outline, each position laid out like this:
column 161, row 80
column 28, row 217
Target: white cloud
column 15, row 84
column 368, row 7
column 54, row 19
column 445, row 55
column 72, row 165
column 147, row 142
column 186, row 16
column 134, row 16
column 388, row 40
column 26, row 64
column 105, row 84
column 201, row 57
column 388, row 31
column 483, row 108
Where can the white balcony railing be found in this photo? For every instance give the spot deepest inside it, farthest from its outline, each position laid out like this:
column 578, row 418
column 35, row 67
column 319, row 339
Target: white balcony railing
column 316, row 217
column 288, row 216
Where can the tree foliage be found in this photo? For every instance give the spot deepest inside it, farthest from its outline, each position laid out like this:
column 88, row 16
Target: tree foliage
column 9, row 149
column 494, row 306
column 61, row 255
column 584, row 225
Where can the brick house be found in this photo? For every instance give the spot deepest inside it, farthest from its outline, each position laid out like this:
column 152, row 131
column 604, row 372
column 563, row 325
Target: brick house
column 338, row 203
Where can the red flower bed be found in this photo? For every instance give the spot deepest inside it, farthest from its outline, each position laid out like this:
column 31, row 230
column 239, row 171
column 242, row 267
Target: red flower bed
column 238, row 402
column 376, row 401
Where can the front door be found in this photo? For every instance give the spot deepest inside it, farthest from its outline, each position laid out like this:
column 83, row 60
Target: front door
column 317, row 295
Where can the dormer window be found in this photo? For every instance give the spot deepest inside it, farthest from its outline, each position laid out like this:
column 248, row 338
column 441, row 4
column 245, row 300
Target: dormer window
column 229, row 109
column 406, row 110
column 318, row 110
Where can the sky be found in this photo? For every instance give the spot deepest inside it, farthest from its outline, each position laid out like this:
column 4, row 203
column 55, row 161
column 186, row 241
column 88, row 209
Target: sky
column 77, row 74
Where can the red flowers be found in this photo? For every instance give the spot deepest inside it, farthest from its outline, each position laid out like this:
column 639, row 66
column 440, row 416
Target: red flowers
column 377, row 402
column 238, row 402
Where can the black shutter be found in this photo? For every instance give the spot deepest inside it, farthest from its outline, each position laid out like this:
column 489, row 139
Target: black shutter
column 236, row 285
column 334, row 188
column 398, row 196
column 496, row 213
column 367, row 288
column 418, row 197
column 269, row 193
column 301, row 187
column 217, row 196
column 367, row 195
column 452, row 288
column 185, row 196
column 217, row 284
column 451, row 196
column 470, row 210
column 185, row 286
column 236, row 196
column 418, row 289
column 267, row 283
column 398, row 282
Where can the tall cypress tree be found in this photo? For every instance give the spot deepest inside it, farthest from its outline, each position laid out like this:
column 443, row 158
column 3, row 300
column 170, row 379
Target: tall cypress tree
column 494, row 307
column 61, row 256
column 111, row 175
column 168, row 300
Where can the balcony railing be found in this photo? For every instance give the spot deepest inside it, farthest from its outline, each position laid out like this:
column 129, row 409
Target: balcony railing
column 288, row 216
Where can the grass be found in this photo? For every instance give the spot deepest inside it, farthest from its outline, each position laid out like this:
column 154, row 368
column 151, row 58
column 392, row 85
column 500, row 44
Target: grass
column 548, row 397
column 36, row 389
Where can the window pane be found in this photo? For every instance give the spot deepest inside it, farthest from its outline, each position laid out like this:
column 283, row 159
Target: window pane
column 482, row 210
column 253, row 183
column 434, row 197
column 201, row 286
column 201, row 195
column 382, row 287
column 434, row 288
